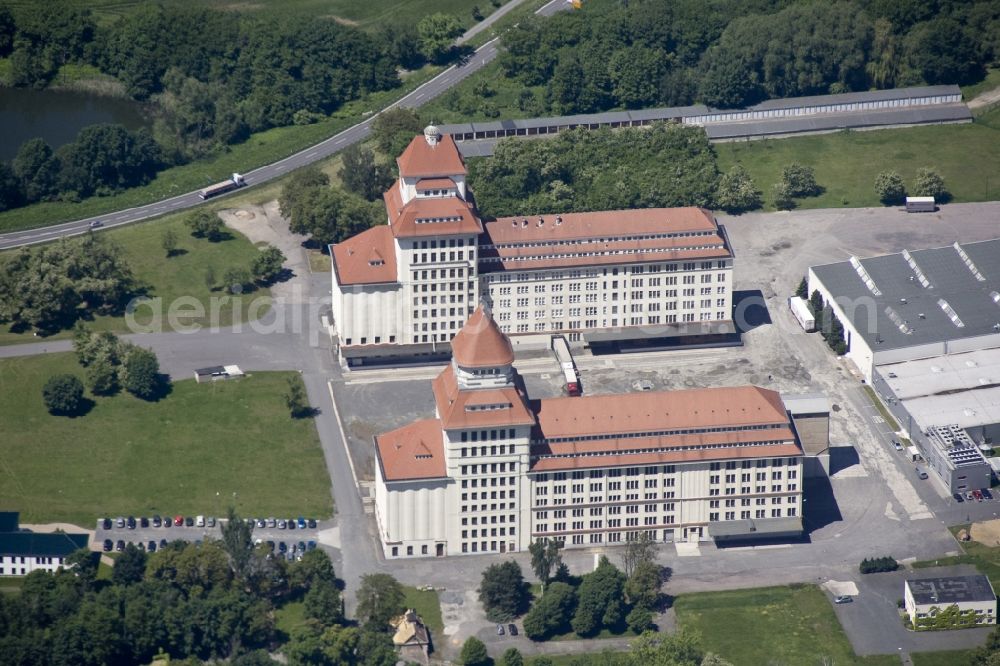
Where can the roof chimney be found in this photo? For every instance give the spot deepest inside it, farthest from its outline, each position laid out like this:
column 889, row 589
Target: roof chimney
column 541, row 221
column 558, row 220
column 432, row 135
column 513, row 223
column 524, row 223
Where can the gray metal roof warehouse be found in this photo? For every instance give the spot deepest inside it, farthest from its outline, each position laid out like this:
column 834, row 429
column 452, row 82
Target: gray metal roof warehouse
column 920, row 297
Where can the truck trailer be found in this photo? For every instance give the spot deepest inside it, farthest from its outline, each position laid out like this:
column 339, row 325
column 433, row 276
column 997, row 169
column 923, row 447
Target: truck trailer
column 235, row 181
column 802, row 313
column 920, row 205
column 561, row 349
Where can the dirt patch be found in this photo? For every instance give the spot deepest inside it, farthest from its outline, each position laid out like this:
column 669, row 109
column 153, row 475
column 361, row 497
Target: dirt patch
column 986, row 532
column 341, row 20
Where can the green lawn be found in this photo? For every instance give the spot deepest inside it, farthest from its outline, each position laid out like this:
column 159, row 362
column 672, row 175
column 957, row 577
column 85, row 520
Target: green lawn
column 177, row 276
column 428, row 607
column 890, row 421
column 991, row 81
column 290, row 617
column 846, row 163
column 943, row 658
column 198, row 450
column 775, row 625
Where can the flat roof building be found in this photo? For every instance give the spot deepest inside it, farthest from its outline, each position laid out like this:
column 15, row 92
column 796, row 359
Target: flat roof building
column 924, row 598
column 22, row 551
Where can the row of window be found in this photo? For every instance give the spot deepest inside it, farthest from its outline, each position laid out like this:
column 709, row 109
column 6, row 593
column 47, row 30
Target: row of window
column 577, row 273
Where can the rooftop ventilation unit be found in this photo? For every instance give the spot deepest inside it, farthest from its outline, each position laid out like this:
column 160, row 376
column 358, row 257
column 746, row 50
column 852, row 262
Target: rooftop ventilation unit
column 968, row 262
column 916, row 269
column 863, row 274
column 995, row 296
column 951, row 313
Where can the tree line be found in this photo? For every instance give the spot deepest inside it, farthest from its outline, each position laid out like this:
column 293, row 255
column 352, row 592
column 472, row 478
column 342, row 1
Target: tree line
column 213, row 601
column 735, row 53
column 209, row 77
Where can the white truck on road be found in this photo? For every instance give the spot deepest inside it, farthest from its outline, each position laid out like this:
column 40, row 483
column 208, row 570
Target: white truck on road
column 236, row 180
column 561, row 349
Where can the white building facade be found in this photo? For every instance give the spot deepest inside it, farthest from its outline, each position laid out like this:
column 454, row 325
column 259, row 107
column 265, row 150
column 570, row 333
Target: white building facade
column 494, row 471
column 972, row 595
column 406, row 288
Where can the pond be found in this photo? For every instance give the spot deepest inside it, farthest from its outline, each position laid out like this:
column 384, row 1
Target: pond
column 57, row 116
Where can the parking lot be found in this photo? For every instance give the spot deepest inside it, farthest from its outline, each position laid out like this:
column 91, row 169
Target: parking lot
column 151, row 538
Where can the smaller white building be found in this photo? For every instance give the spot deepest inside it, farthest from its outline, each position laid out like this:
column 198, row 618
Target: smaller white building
column 926, row 597
column 22, row 552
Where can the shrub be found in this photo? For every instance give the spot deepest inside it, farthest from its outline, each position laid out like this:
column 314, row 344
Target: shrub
column 63, row 394
column 929, row 183
column 474, row 653
column 781, row 196
column 889, row 188
column 878, row 565
column 800, row 179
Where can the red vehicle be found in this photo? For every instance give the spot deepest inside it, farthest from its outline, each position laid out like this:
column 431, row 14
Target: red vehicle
column 978, row 495
column 179, row 521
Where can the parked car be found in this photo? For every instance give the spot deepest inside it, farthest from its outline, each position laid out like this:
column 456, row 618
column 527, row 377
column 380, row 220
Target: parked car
column 302, row 546
column 144, row 522
column 312, row 523
column 188, row 521
column 120, row 522
column 200, row 521
column 291, row 523
column 141, row 546
column 843, row 599
column 210, row 521
column 130, row 522
column 311, row 545
column 163, row 544
column 179, row 521
column 108, row 545
column 261, row 522
column 271, row 522
column 958, row 497
column 986, row 493
column 168, row 521
column 969, row 496
column 282, row 547
column 978, row 495
column 512, row 629
column 96, row 224
column 151, row 546
column 157, row 521
column 896, row 445
column 500, row 631
column 302, row 523
column 281, row 523
column 106, row 523
column 120, row 546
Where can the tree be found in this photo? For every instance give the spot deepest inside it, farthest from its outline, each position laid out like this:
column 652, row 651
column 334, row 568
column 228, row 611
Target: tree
column 550, row 614
column 236, row 279
column 679, row 649
column 130, row 567
column 36, row 168
column 889, row 187
column 943, row 53
column 635, row 74
column 322, row 603
column 83, row 563
column 929, row 184
column 102, row 377
column 380, row 598
column 296, row 399
column 736, row 192
column 393, row 130
column 642, row 589
column 638, row 550
column 205, row 223
column 802, row 291
column 140, row 373
column 639, row 620
column 474, row 653
column 544, row 557
column 63, row 394
column 11, row 194
column 511, row 657
column 361, row 175
column 169, row 242
column 599, row 599
column 104, row 159
column 237, row 541
column 266, row 266
column 437, row 33
column 800, row 180
column 781, row 196
column 503, row 591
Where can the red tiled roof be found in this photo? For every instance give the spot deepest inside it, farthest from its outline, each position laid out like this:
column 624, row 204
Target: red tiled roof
column 415, row 451
column 451, row 404
column 659, row 410
column 420, row 159
column 404, row 218
column 512, row 264
column 600, row 224
column 666, row 457
column 435, row 184
column 357, row 259
column 634, row 444
column 480, row 344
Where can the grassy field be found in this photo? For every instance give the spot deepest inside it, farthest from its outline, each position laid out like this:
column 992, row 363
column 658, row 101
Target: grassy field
column 290, row 617
column 991, row 81
column 890, row 421
column 196, row 451
column 180, row 275
column 788, row 625
column 846, row 163
column 943, row 658
column 428, row 607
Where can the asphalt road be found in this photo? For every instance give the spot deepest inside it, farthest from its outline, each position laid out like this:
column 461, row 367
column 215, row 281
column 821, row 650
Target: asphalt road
column 426, row 92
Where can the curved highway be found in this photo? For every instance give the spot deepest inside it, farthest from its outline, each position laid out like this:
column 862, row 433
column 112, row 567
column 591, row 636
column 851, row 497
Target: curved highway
column 421, row 95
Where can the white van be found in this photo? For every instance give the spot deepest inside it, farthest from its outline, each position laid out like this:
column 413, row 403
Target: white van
column 199, row 521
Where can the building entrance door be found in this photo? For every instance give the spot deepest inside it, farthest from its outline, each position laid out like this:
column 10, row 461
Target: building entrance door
column 439, row 550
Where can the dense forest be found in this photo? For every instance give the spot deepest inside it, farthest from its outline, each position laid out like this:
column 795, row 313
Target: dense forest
column 733, row 53
column 210, row 78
